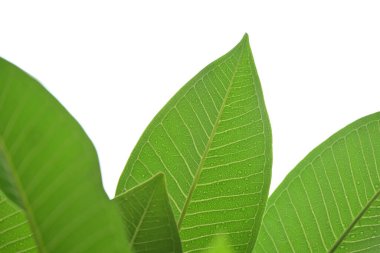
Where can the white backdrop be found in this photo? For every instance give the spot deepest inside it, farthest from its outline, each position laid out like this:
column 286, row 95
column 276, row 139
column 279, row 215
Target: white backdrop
column 114, row 64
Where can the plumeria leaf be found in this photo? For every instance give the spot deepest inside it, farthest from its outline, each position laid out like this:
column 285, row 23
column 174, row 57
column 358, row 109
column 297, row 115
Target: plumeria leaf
column 213, row 142
column 148, row 217
column 49, row 168
column 330, row 202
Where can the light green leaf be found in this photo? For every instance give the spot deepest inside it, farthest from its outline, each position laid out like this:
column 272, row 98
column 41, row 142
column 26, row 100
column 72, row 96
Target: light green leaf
column 49, row 167
column 15, row 234
column 330, row 201
column 219, row 245
column 148, row 217
column 213, row 142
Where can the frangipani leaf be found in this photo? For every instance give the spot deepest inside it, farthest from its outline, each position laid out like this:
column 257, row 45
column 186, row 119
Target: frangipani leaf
column 49, row 167
column 148, row 218
column 213, row 142
column 15, row 234
column 330, row 201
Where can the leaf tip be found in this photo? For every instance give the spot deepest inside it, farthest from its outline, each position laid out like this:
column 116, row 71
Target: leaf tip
column 244, row 43
column 245, row 37
column 159, row 176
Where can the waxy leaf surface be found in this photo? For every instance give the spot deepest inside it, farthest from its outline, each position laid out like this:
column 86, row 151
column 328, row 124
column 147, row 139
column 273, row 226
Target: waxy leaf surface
column 213, row 142
column 49, row 168
column 330, row 201
column 148, row 218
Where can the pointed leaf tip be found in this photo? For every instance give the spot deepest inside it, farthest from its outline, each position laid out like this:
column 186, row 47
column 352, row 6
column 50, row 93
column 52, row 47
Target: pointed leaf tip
column 148, row 205
column 245, row 39
column 243, row 43
column 158, row 178
column 190, row 140
column 159, row 175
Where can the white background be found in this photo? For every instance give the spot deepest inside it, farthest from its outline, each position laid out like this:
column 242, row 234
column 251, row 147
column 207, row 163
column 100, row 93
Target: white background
column 114, row 64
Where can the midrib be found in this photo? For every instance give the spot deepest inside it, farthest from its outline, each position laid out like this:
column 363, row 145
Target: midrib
column 19, row 188
column 209, row 142
column 352, row 225
column 142, row 218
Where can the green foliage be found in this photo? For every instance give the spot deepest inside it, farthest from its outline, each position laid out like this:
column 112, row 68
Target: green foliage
column 15, row 234
column 197, row 180
column 49, row 168
column 213, row 142
column 148, row 217
column 330, row 201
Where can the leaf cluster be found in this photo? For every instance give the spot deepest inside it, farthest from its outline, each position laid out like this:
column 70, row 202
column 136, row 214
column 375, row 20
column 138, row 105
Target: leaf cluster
column 197, row 180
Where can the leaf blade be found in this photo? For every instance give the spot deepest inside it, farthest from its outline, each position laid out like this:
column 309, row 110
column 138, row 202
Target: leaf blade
column 15, row 234
column 49, row 167
column 327, row 195
column 220, row 109
column 365, row 232
column 148, row 217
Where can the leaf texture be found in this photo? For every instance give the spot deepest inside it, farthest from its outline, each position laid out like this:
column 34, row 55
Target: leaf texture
column 213, row 142
column 49, row 167
column 330, row 201
column 148, row 218
column 15, row 234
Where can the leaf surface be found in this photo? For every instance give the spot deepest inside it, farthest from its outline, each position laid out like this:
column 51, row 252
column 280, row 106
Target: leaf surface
column 330, row 201
column 15, row 234
column 49, row 167
column 219, row 245
column 213, row 142
column 148, row 218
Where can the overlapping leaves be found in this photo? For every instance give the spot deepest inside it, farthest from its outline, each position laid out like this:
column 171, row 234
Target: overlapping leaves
column 49, row 168
column 213, row 142
column 148, row 217
column 197, row 181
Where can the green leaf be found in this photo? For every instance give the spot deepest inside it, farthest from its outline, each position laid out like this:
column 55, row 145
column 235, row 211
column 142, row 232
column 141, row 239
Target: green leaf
column 49, row 167
column 219, row 245
column 15, row 234
column 330, row 201
column 148, row 217
column 213, row 142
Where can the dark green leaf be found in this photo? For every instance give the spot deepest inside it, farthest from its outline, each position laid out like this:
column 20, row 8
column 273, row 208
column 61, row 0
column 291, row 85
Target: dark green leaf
column 49, row 167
